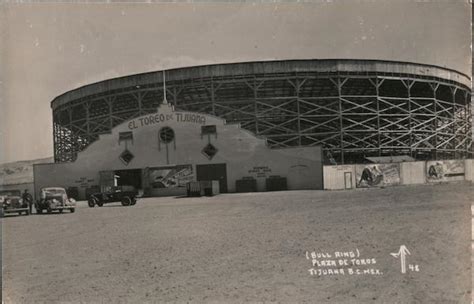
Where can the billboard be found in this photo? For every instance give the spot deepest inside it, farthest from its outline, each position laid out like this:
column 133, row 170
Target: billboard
column 170, row 177
column 377, row 175
column 444, row 170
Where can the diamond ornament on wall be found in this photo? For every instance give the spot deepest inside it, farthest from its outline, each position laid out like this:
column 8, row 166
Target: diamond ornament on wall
column 209, row 151
column 126, row 157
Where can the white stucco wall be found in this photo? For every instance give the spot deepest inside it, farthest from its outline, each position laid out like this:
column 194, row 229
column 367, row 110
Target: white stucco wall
column 412, row 173
column 334, row 177
column 469, row 169
column 239, row 149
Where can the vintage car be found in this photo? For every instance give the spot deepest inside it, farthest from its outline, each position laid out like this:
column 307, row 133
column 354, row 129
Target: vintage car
column 127, row 195
column 11, row 202
column 54, row 198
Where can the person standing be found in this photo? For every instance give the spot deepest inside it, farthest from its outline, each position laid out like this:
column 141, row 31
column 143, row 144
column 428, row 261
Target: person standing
column 28, row 198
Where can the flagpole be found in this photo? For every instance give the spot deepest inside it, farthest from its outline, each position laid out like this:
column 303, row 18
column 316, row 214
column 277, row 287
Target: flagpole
column 164, row 88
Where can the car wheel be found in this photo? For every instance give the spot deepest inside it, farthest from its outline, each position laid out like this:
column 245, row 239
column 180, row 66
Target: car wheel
column 134, row 201
column 100, row 204
column 72, row 210
column 91, row 202
column 126, row 201
column 49, row 209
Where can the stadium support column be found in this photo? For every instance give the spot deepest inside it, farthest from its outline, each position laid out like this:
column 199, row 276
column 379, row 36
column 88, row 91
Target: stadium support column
column 467, row 118
column 464, row 128
column 88, row 136
column 55, row 138
column 109, row 104
column 435, row 113
column 71, row 138
column 410, row 115
column 213, row 97
column 175, row 96
column 454, row 122
column 139, row 97
column 465, row 124
column 254, row 88
column 339, row 85
column 377, row 86
column 297, row 86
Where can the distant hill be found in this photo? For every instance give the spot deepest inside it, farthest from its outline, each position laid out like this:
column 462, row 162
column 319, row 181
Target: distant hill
column 20, row 172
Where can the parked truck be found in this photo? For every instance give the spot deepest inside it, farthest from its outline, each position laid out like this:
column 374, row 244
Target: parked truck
column 127, row 195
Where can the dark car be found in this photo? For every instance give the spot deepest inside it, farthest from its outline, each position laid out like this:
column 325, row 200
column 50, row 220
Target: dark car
column 127, row 195
column 54, row 198
column 11, row 202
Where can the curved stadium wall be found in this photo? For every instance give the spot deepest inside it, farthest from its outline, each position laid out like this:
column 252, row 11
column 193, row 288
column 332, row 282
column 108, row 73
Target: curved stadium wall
column 352, row 108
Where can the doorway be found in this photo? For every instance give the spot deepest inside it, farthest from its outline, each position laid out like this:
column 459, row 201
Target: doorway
column 347, row 180
column 132, row 177
column 213, row 172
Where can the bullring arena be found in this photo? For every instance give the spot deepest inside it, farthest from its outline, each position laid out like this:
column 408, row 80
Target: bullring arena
column 352, row 108
column 412, row 121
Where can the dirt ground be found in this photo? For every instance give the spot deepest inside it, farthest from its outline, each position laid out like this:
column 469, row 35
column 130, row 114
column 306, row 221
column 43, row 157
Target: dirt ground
column 247, row 248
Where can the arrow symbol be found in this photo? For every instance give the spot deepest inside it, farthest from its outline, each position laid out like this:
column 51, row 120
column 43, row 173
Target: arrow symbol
column 402, row 254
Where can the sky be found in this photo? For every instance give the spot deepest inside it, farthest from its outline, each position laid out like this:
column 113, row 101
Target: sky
column 48, row 49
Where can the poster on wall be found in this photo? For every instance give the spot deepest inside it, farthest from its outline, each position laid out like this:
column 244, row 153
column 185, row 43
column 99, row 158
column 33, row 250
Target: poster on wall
column 170, row 177
column 377, row 175
column 444, row 170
